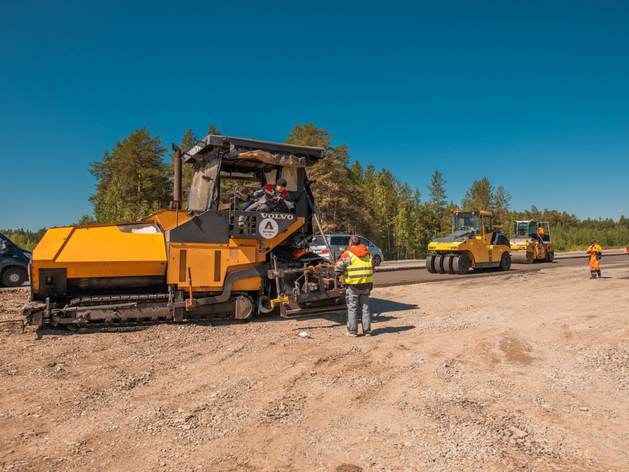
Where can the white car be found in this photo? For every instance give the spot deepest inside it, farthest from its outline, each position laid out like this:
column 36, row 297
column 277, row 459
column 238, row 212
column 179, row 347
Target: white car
column 339, row 243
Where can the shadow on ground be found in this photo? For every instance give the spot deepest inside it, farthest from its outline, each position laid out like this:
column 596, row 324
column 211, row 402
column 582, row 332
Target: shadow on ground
column 338, row 318
column 377, row 331
column 380, row 305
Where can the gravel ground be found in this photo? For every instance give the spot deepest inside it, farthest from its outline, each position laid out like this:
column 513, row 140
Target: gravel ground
column 526, row 372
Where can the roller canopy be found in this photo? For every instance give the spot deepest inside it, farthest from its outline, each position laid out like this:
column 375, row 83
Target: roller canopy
column 239, row 149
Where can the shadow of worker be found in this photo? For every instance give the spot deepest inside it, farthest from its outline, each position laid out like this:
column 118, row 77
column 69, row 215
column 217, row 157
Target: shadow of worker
column 379, row 307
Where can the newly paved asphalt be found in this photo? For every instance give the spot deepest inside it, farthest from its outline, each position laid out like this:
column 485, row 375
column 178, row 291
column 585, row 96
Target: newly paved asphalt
column 403, row 277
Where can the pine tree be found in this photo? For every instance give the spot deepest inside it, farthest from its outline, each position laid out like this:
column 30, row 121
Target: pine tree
column 437, row 192
column 212, row 130
column 406, row 223
column 385, row 206
column 132, row 180
column 428, row 227
column 438, row 200
column 480, row 196
column 334, row 191
column 501, row 205
column 309, row 135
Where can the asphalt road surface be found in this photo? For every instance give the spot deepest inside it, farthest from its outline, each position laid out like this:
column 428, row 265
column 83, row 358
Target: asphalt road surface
column 413, row 276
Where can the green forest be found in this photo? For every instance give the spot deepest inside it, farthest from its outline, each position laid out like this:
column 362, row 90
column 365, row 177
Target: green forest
column 135, row 179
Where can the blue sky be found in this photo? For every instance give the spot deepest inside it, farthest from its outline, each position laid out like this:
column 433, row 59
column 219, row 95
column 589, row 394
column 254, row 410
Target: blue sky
column 534, row 95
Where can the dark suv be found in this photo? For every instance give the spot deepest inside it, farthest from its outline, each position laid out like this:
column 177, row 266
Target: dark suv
column 14, row 263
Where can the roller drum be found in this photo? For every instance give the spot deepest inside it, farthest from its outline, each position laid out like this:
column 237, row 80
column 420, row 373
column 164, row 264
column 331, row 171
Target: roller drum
column 522, row 257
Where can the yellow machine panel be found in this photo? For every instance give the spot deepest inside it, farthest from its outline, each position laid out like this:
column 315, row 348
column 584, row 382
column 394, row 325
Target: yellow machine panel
column 208, row 264
column 167, row 219
column 125, row 250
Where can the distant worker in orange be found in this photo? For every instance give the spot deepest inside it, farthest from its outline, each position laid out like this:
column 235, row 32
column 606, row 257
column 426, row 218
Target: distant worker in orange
column 596, row 252
column 540, row 233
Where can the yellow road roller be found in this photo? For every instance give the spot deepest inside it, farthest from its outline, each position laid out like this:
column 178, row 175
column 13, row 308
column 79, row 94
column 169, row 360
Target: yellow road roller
column 473, row 243
column 532, row 242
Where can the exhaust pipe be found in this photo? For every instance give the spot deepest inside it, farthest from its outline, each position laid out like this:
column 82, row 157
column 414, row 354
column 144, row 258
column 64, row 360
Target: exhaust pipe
column 177, row 164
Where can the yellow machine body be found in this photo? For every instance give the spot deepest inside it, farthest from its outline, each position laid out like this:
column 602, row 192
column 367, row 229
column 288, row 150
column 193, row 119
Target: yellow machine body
column 472, row 244
column 117, row 254
column 479, row 250
column 99, row 253
column 208, row 264
column 216, row 260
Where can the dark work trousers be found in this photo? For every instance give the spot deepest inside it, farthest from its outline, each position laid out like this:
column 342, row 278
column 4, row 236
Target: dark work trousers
column 357, row 303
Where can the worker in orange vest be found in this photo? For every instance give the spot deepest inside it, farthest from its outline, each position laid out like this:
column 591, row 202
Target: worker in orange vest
column 596, row 252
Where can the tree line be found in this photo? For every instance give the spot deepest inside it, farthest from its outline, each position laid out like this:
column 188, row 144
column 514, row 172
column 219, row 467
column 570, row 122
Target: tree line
column 135, row 178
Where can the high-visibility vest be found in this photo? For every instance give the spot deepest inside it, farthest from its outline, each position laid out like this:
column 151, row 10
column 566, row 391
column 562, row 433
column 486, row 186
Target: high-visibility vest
column 359, row 270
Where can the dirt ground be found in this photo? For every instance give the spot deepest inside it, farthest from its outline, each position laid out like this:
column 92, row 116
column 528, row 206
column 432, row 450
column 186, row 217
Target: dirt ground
column 525, row 372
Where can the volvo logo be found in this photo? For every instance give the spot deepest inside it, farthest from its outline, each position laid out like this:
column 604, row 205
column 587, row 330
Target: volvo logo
column 278, row 216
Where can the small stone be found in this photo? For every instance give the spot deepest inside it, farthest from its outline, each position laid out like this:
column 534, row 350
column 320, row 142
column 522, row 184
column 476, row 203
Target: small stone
column 518, row 433
column 584, row 408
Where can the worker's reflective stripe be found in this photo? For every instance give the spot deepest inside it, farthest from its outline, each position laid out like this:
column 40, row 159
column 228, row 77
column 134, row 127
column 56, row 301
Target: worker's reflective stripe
column 359, row 271
column 361, row 274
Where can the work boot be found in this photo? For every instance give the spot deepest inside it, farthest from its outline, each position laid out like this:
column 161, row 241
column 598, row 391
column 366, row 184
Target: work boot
column 599, row 273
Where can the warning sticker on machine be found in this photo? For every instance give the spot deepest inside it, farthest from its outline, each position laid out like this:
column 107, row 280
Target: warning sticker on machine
column 268, row 228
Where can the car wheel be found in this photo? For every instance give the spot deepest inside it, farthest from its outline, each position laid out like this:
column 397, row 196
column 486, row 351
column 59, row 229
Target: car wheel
column 13, row 277
column 377, row 260
column 505, row 261
column 550, row 257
